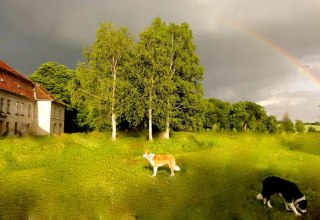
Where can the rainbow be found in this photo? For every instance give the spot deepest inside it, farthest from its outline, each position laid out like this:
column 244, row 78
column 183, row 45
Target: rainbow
column 302, row 69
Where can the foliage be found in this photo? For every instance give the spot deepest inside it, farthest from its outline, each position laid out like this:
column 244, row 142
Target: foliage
column 152, row 66
column 100, row 86
column 170, row 75
column 216, row 114
column 54, row 78
column 299, row 126
column 272, row 124
column 312, row 129
column 155, row 80
column 240, row 116
column 286, row 124
column 186, row 75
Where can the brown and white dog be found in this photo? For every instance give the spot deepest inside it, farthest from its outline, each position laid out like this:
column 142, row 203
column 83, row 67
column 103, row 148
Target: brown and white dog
column 161, row 160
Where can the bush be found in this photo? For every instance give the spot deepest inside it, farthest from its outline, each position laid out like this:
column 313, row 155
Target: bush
column 312, row 129
column 299, row 126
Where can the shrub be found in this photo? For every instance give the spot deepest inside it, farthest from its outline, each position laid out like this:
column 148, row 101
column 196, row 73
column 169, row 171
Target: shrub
column 312, row 129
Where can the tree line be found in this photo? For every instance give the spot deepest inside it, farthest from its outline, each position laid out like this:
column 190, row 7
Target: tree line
column 152, row 82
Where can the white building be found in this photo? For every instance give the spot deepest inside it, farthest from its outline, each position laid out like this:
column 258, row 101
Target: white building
column 26, row 107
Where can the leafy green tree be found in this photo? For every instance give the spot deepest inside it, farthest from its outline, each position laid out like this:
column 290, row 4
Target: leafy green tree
column 150, row 69
column 54, row 78
column 248, row 115
column 187, row 74
column 299, row 126
column 272, row 124
column 312, row 129
column 257, row 116
column 217, row 114
column 98, row 89
column 239, row 117
column 209, row 114
column 286, row 124
column 170, row 76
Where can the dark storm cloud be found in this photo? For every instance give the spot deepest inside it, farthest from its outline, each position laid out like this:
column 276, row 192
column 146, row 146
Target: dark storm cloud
column 238, row 66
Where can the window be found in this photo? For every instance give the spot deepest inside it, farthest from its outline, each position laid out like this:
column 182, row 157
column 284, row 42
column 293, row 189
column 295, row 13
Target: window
column 1, row 104
column 8, row 105
column 29, row 110
column 7, row 128
column 17, row 107
column 22, row 108
column 54, row 128
column 16, row 128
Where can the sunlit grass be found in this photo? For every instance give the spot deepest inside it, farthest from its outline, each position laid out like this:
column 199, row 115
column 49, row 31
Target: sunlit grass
column 89, row 176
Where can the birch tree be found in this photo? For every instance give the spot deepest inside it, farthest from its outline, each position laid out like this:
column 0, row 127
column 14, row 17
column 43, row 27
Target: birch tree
column 172, row 75
column 99, row 77
column 185, row 73
column 150, row 56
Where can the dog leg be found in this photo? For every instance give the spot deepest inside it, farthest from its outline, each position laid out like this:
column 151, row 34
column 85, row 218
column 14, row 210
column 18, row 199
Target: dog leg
column 269, row 204
column 155, row 171
column 172, row 172
column 287, row 206
column 260, row 197
column 293, row 208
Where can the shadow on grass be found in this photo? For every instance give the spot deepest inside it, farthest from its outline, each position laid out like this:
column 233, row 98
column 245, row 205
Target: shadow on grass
column 17, row 205
column 162, row 170
column 204, row 191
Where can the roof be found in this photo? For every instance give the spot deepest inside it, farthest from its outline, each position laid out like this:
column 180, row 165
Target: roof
column 13, row 81
column 9, row 69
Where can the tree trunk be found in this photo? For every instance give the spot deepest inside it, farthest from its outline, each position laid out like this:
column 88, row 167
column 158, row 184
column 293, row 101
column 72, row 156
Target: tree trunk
column 113, row 115
column 245, row 126
column 114, row 126
column 150, row 110
column 167, row 133
column 150, row 124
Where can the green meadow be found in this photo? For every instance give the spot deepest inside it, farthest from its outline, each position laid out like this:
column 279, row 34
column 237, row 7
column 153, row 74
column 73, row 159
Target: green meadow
column 89, row 176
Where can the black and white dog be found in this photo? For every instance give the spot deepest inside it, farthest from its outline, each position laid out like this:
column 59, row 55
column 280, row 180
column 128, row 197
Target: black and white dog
column 293, row 198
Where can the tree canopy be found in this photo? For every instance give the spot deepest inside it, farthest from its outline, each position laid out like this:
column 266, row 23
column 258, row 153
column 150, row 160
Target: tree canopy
column 154, row 81
column 170, row 76
column 54, row 78
column 239, row 116
column 98, row 89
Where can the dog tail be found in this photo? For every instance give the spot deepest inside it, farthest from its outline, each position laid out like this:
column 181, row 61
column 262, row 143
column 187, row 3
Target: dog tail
column 260, row 196
column 176, row 168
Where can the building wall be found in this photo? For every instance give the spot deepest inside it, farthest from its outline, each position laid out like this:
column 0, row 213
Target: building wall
column 43, row 116
column 49, row 117
column 57, row 118
column 16, row 114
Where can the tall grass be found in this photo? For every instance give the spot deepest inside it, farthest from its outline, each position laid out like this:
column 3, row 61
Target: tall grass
column 89, row 176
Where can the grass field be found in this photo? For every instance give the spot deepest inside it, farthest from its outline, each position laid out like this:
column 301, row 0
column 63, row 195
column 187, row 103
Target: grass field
column 317, row 127
column 88, row 176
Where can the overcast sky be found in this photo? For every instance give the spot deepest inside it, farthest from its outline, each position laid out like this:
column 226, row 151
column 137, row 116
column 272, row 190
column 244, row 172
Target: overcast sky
column 256, row 50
